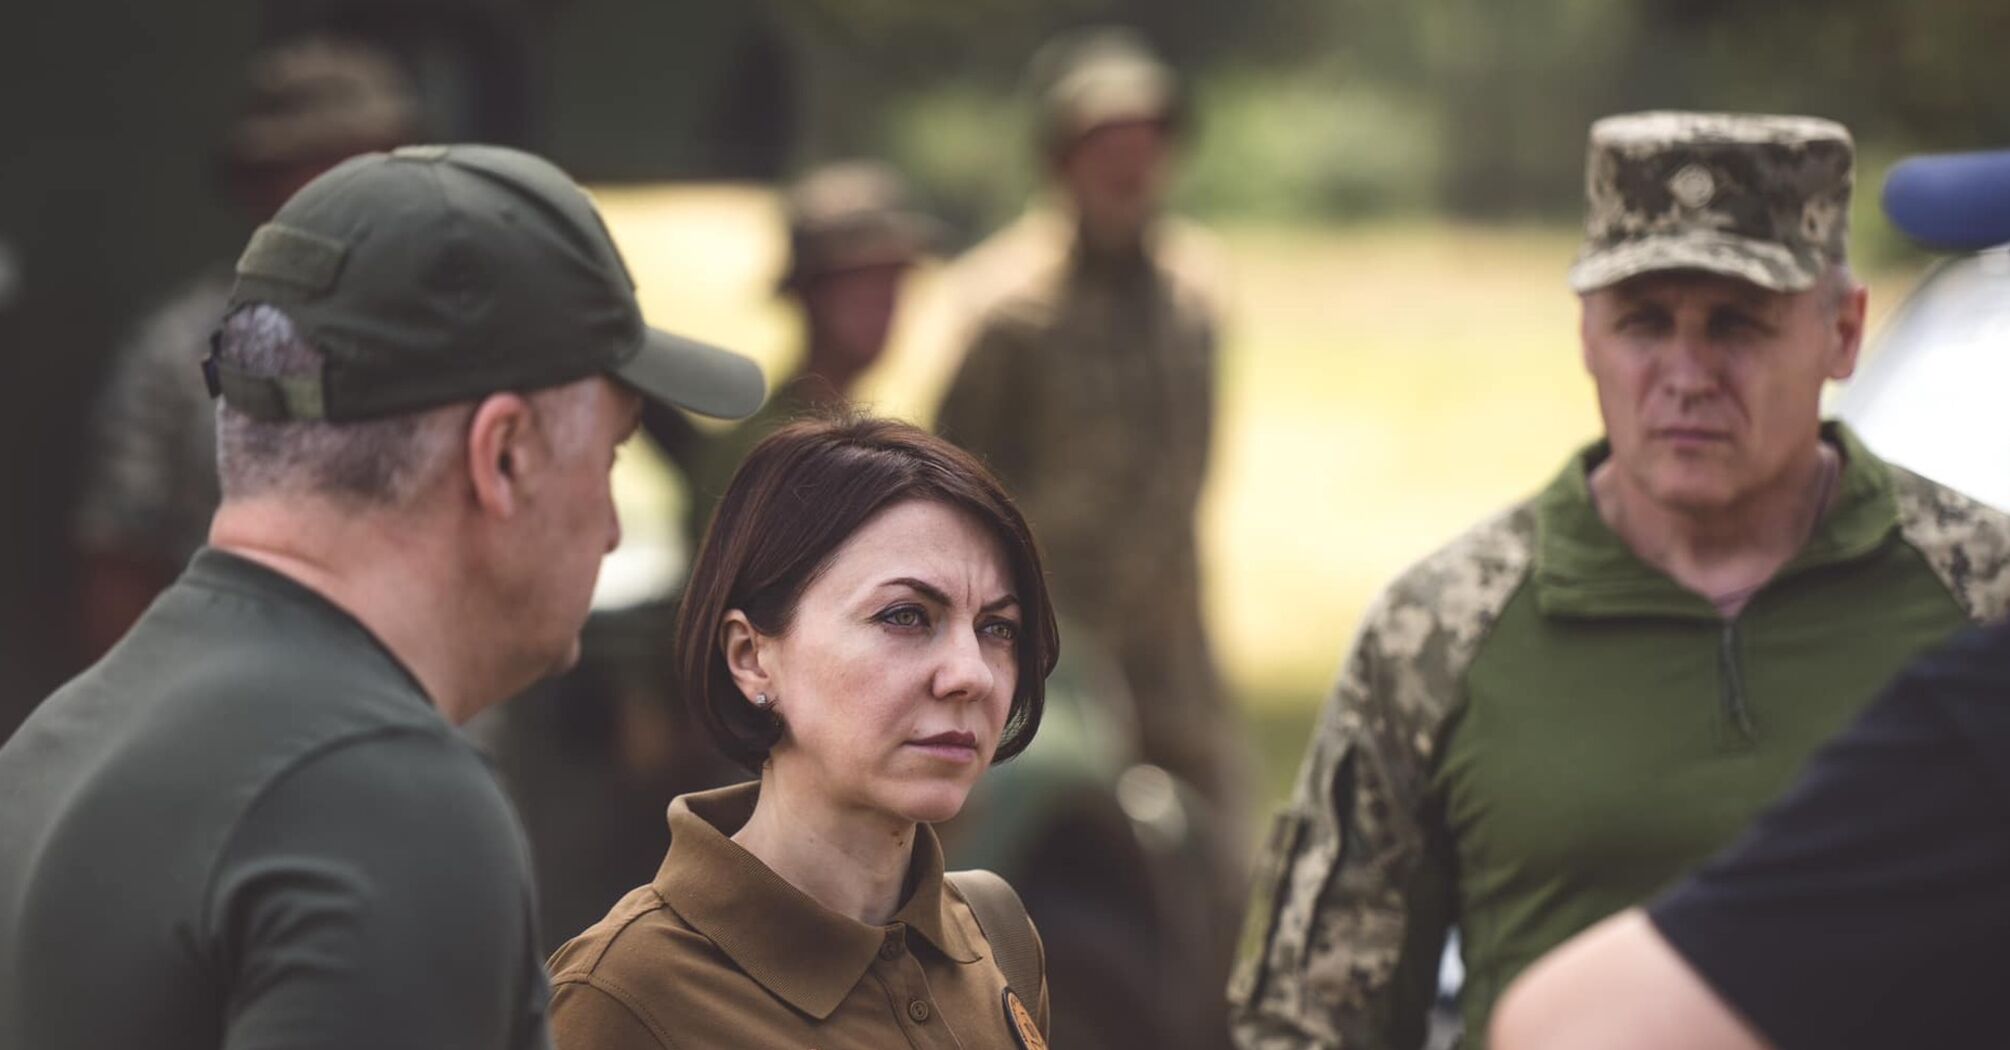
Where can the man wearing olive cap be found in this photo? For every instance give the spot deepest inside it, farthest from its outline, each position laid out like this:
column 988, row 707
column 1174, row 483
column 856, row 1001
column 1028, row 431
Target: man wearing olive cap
column 253, row 823
column 1567, row 708
column 853, row 236
column 1088, row 384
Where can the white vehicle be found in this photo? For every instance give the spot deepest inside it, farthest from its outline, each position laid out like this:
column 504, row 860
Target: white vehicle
column 1932, row 397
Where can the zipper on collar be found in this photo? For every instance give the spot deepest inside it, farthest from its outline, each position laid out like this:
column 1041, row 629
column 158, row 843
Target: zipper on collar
column 1739, row 731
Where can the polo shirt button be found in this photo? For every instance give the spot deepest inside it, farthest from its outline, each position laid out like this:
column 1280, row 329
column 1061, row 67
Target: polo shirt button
column 890, row 948
column 918, row 1010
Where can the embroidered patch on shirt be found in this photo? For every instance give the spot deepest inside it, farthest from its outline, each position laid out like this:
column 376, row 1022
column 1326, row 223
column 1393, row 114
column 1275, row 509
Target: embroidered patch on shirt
column 1022, row 1024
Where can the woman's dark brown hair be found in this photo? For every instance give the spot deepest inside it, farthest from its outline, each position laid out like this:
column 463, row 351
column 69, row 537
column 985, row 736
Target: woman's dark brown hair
column 799, row 496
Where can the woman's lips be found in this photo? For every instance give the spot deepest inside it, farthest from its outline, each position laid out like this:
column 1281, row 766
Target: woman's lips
column 957, row 746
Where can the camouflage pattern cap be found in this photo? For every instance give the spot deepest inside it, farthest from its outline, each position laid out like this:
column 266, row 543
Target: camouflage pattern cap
column 320, row 99
column 849, row 215
column 1760, row 198
column 434, row 275
column 1106, row 75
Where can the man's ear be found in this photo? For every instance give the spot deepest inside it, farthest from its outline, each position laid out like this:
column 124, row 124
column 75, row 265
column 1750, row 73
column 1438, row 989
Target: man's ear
column 500, row 450
column 1849, row 328
column 1584, row 330
column 747, row 652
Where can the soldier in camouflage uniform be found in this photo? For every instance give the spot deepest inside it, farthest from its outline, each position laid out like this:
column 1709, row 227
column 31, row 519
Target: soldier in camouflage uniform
column 1570, row 706
column 149, row 483
column 853, row 236
column 1088, row 385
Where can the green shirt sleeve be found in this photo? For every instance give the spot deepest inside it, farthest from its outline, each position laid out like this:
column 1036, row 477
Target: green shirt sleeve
column 377, row 894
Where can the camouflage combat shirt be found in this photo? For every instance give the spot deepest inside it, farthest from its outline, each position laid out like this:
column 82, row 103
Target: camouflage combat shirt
column 1535, row 730
column 1088, row 386
column 149, row 485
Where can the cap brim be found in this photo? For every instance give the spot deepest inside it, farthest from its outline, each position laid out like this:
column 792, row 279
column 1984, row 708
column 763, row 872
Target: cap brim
column 1770, row 266
column 693, row 375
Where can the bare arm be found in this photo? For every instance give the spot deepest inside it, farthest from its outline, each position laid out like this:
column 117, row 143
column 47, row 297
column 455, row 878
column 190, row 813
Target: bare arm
column 1617, row 986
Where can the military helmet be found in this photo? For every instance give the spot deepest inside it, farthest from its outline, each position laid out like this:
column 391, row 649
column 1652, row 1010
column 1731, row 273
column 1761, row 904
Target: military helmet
column 849, row 215
column 1105, row 75
column 1760, row 198
column 321, row 99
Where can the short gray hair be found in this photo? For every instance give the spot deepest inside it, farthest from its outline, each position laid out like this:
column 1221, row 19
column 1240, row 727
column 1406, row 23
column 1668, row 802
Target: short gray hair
column 1836, row 284
column 376, row 462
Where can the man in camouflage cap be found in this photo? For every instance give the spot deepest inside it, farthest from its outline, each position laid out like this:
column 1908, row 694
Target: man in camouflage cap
column 149, row 483
column 1564, row 710
column 254, row 818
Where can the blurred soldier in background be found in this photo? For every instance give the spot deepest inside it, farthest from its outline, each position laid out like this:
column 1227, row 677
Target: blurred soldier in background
column 1088, row 385
column 853, row 237
column 150, row 484
column 1566, row 709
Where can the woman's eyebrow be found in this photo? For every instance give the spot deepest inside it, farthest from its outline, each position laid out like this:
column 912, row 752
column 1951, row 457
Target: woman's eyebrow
column 928, row 590
column 941, row 597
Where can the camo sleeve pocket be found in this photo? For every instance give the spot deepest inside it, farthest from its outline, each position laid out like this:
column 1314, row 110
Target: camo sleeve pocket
column 1287, row 831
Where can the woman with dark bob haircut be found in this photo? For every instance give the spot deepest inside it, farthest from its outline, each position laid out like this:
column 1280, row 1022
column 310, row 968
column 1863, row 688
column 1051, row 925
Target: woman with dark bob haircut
column 867, row 629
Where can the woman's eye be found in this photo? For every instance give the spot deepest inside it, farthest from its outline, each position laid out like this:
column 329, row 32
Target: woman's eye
column 905, row 616
column 1003, row 630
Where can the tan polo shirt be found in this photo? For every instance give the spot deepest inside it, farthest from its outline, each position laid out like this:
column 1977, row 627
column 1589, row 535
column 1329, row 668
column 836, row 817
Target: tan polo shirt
column 719, row 951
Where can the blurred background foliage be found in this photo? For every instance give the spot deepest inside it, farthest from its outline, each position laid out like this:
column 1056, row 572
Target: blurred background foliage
column 1347, row 110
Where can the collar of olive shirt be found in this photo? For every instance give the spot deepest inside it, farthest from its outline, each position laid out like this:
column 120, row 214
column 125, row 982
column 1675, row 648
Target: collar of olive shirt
column 807, row 954
column 1583, row 569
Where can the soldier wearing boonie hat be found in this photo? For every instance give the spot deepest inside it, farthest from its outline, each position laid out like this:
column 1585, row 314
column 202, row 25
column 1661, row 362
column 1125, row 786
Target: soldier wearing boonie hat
column 431, row 359
column 1088, row 382
column 853, row 233
column 149, row 471
column 1550, row 719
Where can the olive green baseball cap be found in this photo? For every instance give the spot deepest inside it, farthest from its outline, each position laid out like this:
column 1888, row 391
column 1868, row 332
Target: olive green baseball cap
column 432, row 275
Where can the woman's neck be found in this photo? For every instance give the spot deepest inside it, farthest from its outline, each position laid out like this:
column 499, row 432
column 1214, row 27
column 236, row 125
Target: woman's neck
column 852, row 861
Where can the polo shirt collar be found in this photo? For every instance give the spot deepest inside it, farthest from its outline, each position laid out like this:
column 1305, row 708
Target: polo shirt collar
column 1583, row 569
column 809, row 956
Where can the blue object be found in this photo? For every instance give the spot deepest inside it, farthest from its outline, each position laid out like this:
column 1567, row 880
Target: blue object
column 1952, row 201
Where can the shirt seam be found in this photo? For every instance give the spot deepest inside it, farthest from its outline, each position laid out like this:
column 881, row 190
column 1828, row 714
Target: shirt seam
column 590, row 966
column 627, row 1000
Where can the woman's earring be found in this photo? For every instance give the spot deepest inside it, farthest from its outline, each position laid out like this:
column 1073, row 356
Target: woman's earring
column 763, row 701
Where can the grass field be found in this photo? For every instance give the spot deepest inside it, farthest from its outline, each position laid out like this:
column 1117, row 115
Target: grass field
column 1383, row 387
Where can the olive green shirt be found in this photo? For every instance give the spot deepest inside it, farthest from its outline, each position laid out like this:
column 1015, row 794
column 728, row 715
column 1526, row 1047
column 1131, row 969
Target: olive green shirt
column 720, row 951
column 1536, row 729
column 248, row 827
